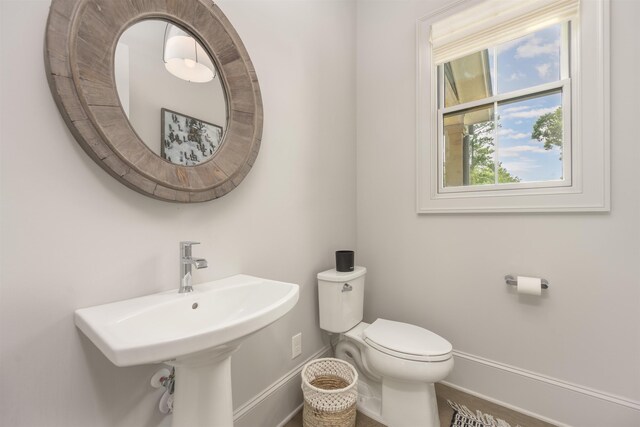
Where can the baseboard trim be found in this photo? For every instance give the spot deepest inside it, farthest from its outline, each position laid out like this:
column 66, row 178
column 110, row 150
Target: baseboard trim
column 608, row 397
column 291, row 415
column 265, row 394
column 565, row 386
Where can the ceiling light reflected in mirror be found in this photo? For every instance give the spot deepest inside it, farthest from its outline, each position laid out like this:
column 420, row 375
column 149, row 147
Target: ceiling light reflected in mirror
column 185, row 58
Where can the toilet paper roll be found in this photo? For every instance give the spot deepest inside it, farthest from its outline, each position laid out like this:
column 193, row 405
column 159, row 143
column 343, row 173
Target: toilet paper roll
column 529, row 285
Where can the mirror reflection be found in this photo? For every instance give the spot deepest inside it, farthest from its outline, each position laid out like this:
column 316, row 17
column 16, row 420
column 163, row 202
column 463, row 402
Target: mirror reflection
column 171, row 92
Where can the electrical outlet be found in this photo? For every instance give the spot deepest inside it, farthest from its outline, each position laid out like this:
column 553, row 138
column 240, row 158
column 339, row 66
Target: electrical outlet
column 296, row 345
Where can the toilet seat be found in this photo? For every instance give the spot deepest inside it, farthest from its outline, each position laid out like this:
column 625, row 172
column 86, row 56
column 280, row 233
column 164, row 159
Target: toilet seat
column 406, row 341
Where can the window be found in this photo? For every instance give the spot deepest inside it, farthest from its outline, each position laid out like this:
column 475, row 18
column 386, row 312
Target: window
column 498, row 127
column 504, row 114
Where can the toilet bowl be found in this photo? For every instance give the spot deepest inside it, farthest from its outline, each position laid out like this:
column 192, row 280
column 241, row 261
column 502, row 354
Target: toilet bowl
column 398, row 363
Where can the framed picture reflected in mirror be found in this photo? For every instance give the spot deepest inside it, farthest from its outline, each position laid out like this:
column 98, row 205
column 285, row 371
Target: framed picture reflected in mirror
column 186, row 140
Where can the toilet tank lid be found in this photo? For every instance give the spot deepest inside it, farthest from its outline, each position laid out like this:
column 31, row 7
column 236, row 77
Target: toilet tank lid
column 334, row 275
column 407, row 339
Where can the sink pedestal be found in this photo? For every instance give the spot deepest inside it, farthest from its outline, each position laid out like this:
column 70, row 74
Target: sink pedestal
column 202, row 396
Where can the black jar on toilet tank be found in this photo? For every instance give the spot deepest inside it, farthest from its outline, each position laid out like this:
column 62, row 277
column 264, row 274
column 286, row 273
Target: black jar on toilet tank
column 344, row 260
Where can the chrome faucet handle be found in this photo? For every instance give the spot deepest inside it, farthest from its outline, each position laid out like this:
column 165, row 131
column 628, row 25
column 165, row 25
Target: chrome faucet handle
column 199, row 263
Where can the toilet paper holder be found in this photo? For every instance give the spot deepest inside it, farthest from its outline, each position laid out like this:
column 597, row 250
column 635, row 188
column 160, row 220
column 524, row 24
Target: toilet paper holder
column 510, row 280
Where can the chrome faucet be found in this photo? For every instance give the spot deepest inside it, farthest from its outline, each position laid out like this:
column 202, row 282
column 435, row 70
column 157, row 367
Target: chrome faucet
column 186, row 261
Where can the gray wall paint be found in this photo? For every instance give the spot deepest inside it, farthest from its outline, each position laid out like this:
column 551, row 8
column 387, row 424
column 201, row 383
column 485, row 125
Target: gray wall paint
column 445, row 272
column 73, row 237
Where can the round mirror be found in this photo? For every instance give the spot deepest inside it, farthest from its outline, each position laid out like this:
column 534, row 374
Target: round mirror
column 139, row 80
column 170, row 91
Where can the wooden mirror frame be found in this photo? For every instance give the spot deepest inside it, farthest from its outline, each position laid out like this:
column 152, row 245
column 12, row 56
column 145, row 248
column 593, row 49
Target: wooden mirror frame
column 80, row 43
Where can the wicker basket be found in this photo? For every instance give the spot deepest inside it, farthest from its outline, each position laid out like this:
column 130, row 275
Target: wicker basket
column 330, row 388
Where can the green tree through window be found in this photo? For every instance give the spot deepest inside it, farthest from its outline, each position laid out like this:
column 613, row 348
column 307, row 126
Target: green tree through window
column 481, row 154
column 548, row 130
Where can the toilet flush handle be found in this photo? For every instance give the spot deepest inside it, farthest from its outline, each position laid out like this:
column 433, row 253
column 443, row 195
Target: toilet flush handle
column 347, row 288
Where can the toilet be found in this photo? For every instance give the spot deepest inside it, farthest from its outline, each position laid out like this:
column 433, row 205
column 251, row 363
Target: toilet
column 397, row 363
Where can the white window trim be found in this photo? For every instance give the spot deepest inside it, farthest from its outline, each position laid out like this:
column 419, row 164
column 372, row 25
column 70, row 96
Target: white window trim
column 589, row 186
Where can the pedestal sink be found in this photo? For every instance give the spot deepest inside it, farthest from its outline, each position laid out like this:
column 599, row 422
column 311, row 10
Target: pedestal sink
column 196, row 332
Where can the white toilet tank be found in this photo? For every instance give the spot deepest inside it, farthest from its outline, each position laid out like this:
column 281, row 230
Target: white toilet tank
column 341, row 299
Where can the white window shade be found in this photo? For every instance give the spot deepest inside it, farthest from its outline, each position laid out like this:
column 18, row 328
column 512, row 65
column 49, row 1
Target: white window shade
column 492, row 22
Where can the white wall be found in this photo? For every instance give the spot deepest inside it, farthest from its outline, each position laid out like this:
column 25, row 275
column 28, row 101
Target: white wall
column 445, row 272
column 73, row 237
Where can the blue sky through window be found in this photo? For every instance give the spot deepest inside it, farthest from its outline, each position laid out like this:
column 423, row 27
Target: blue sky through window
column 522, row 156
column 529, row 61
column 522, row 63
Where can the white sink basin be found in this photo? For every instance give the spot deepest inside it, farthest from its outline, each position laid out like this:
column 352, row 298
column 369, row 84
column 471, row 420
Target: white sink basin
column 169, row 325
column 196, row 332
